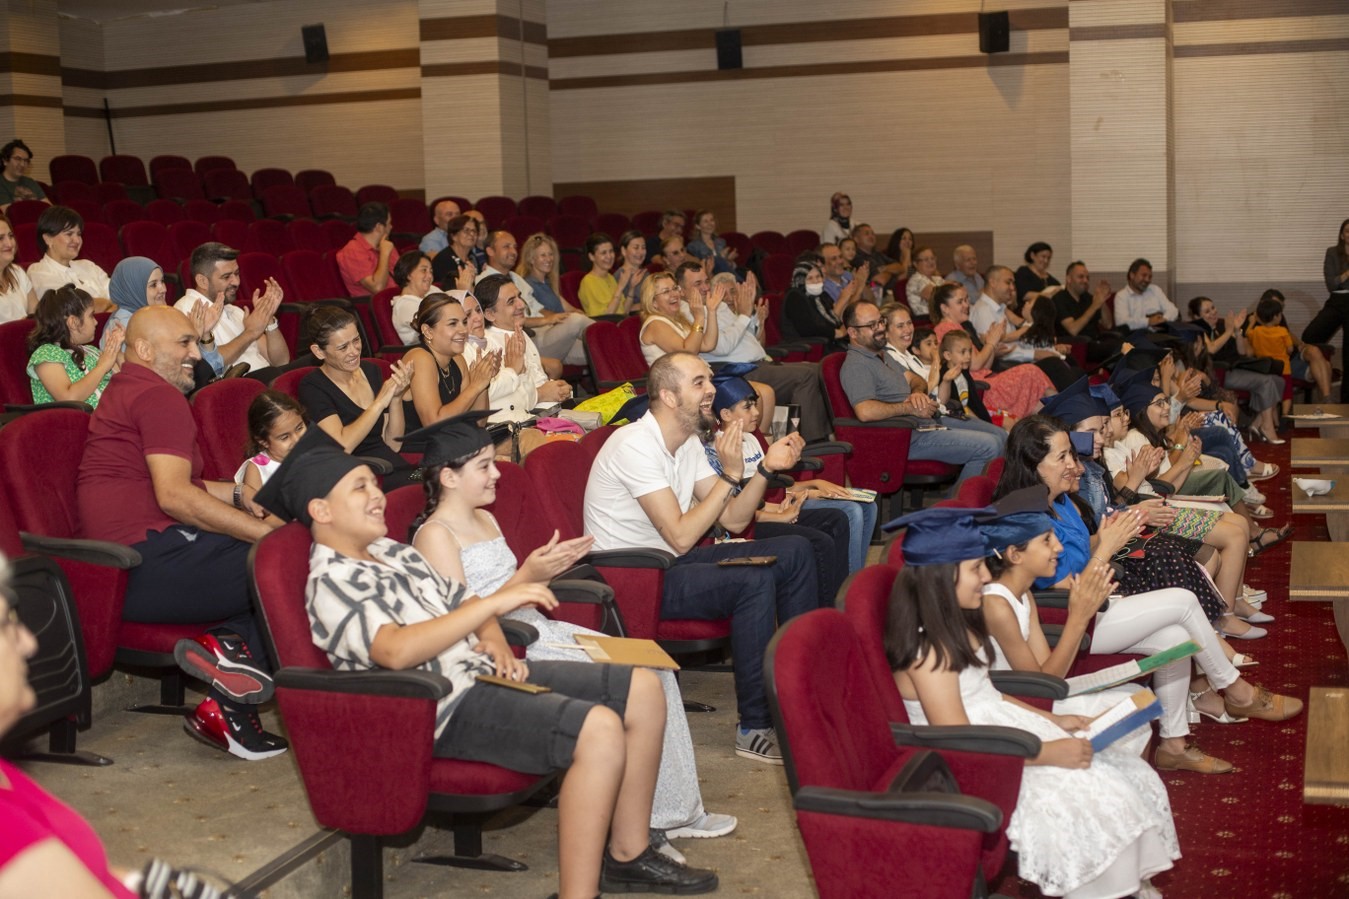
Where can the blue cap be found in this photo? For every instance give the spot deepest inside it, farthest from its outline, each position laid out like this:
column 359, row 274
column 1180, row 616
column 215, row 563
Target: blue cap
column 731, row 385
column 1138, row 394
column 1103, row 393
column 1022, row 515
column 941, row 535
column 1074, row 403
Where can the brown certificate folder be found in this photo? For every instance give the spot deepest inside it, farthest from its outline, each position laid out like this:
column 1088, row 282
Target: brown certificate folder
column 626, row 651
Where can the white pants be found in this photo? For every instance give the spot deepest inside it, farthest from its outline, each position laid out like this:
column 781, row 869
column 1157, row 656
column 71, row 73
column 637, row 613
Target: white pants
column 1146, row 623
column 563, row 340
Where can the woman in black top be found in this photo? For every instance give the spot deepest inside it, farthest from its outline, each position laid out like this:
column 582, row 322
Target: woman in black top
column 1221, row 345
column 348, row 397
column 1334, row 315
column 1033, row 277
column 443, row 384
column 453, row 267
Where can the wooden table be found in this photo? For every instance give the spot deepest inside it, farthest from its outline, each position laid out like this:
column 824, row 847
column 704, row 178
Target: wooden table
column 1327, row 454
column 1319, row 572
column 1325, row 777
column 1334, row 505
column 1331, row 427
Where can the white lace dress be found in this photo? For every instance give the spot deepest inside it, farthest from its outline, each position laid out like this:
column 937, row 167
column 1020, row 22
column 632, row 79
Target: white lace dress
column 1090, row 833
column 678, row 800
column 1090, row 704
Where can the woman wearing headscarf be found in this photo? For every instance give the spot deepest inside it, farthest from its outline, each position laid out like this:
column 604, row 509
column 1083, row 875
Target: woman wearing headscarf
column 839, row 225
column 138, row 282
column 809, row 312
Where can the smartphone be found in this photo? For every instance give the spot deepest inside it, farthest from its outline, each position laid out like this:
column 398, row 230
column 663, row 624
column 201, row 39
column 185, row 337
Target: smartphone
column 1084, row 443
column 757, row 561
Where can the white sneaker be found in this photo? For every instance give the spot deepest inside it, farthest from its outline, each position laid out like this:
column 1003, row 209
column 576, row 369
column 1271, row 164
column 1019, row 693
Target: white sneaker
column 1254, row 497
column 703, row 827
column 1253, row 596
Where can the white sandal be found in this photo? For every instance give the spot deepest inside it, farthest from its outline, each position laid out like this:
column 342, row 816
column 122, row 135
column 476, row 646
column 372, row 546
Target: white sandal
column 1262, row 471
column 1195, row 712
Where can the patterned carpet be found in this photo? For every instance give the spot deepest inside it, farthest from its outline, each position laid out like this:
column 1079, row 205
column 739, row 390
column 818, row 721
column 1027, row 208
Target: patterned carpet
column 1248, row 835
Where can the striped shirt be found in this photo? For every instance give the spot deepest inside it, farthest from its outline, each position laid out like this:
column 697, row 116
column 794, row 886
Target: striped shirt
column 349, row 600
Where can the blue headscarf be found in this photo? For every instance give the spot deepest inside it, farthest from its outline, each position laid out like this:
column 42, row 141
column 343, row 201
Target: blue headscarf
column 127, row 286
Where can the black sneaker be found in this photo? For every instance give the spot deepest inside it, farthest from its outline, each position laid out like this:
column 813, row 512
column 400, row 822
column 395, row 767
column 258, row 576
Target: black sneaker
column 652, row 872
column 222, row 660
column 236, row 730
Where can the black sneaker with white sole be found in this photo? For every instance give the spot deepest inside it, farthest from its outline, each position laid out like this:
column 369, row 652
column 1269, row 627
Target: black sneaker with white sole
column 652, row 872
column 222, row 660
column 236, row 730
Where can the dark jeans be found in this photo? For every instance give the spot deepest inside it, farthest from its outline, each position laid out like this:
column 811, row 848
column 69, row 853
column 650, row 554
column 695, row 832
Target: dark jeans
column 1219, row 442
column 188, row 576
column 1334, row 315
column 756, row 599
column 828, row 533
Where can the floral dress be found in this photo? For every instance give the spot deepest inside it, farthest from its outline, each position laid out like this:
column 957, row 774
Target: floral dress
column 50, row 352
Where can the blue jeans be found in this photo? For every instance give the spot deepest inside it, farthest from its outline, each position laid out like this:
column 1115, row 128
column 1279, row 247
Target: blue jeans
column 861, row 525
column 756, row 599
column 1218, row 442
column 971, row 444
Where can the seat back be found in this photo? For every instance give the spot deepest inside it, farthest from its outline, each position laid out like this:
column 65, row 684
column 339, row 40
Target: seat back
column 168, row 163
column 377, row 193
column 221, row 411
column 777, row 272
column 583, row 207
column 227, row 184
column 72, row 168
column 166, row 212
column 310, row 276
column 308, row 179
column 265, row 179
column 570, row 285
column 881, row 454
column 332, row 201
column 560, row 470
column 609, row 358
column 830, row 368
column 410, row 216
column 994, row 470
column 206, row 164
column 523, row 226
column 496, row 209
column 381, row 313
column 279, row 565
column 401, row 508
column 268, row 236
column 101, row 246
column 305, row 234
column 25, row 212
column 120, row 212
column 151, row 239
column 52, row 442
column 800, row 241
column 237, row 210
column 67, row 192
column 254, row 270
column 179, row 184
column 203, row 211
column 288, row 382
column 284, row 201
column 647, row 221
column 570, row 231
column 230, row 232
column 612, row 224
column 770, row 242
column 338, row 233
column 539, row 206
column 866, row 605
column 186, row 236
column 25, row 236
column 129, row 170
column 976, row 492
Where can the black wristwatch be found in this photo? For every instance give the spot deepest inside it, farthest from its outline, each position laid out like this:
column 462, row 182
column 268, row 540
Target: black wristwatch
column 768, row 475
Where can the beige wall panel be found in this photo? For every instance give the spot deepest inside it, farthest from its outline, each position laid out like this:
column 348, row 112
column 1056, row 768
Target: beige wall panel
column 257, row 31
column 24, row 83
column 328, row 137
column 446, row 9
column 87, row 137
column 573, row 18
column 81, row 44
column 1261, row 152
column 521, row 179
column 264, row 88
column 28, row 26
column 1262, row 30
column 467, row 162
column 790, row 143
column 1103, row 14
column 1118, row 173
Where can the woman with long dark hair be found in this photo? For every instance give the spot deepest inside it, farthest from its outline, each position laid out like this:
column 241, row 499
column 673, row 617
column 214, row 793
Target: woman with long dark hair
column 63, row 365
column 443, row 383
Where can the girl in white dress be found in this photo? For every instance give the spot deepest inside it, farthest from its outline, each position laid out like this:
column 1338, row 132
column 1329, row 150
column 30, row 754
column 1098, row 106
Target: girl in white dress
column 1087, row 826
column 462, row 541
column 276, row 421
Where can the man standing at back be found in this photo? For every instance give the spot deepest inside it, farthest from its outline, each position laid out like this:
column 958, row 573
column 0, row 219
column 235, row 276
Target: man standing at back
column 652, row 487
column 140, row 485
column 368, row 258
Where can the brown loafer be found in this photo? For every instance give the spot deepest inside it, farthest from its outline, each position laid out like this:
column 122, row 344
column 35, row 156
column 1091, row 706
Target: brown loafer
column 1192, row 759
column 1267, row 706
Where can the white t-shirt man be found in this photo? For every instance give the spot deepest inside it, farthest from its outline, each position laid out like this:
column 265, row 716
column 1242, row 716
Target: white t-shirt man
column 633, row 463
column 230, row 327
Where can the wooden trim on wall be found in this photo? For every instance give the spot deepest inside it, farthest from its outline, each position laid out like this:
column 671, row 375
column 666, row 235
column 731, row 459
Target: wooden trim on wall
column 1228, row 10
column 242, row 69
column 30, row 63
column 1138, row 31
column 866, row 67
column 379, row 96
column 1256, row 48
column 488, row 25
column 799, row 33
column 715, row 192
column 482, row 67
column 33, row 100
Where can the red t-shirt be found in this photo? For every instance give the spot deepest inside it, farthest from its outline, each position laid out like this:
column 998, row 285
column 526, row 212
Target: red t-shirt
column 145, row 415
column 359, row 260
column 31, row 816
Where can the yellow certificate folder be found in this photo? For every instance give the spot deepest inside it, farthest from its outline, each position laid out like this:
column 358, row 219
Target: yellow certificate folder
column 626, row 651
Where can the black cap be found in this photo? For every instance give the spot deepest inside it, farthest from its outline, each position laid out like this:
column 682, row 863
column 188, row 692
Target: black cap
column 449, row 439
column 315, row 465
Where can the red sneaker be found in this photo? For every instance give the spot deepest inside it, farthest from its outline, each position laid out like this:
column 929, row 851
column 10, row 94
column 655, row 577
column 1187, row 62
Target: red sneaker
column 236, row 731
column 223, row 661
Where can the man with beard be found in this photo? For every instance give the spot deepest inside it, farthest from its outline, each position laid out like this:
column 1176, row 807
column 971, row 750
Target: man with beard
column 1082, row 313
column 878, row 390
column 238, row 336
column 140, row 485
column 651, row 487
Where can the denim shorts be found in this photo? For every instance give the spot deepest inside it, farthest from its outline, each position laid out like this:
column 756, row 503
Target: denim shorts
column 1300, row 366
column 533, row 732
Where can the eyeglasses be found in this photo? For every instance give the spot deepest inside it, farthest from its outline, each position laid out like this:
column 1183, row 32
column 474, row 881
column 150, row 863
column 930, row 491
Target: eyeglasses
column 1161, row 402
column 871, row 325
column 21, row 160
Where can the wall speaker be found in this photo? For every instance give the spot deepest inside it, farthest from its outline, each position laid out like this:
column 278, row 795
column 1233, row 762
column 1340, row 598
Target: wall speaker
column 994, row 32
column 728, row 49
column 315, row 43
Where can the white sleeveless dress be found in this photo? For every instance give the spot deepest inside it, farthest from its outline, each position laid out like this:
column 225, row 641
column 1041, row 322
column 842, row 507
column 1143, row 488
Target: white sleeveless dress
column 1091, row 704
column 1089, row 833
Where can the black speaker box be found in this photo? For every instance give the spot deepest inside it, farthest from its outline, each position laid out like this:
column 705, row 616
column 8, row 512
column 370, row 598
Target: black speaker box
column 728, row 49
column 315, row 43
column 994, row 32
